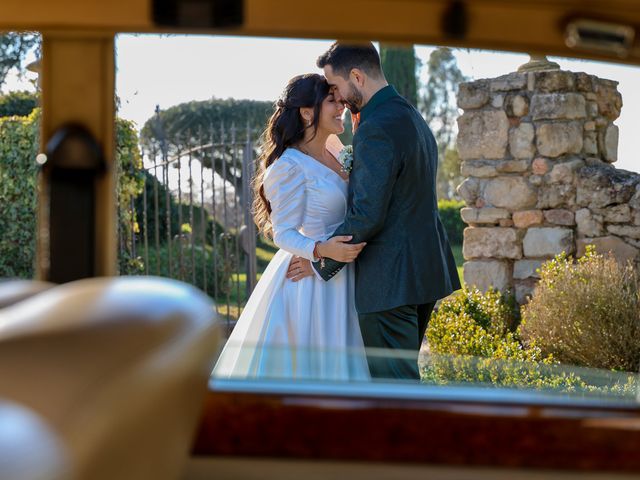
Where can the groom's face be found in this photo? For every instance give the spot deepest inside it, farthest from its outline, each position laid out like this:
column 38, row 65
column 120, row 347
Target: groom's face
column 344, row 90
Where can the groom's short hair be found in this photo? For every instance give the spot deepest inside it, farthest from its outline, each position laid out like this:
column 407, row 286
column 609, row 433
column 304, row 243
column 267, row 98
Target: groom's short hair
column 342, row 57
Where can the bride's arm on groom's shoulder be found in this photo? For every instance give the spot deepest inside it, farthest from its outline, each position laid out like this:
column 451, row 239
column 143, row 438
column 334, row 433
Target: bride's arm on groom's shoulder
column 284, row 188
column 375, row 169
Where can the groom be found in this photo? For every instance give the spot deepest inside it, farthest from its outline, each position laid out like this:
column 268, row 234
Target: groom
column 407, row 264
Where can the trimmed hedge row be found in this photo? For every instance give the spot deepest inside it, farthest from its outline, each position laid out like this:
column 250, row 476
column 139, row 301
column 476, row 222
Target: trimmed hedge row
column 18, row 194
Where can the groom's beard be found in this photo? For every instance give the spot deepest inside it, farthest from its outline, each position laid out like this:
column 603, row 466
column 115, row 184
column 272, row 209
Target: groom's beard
column 354, row 100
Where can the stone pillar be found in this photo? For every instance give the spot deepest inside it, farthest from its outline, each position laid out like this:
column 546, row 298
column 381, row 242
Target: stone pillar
column 537, row 149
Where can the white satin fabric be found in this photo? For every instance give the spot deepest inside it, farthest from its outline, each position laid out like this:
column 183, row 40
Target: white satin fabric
column 307, row 329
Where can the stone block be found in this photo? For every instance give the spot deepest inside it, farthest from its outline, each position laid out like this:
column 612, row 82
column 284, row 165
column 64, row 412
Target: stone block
column 599, row 186
column 514, row 193
column 631, row 231
column 469, row 190
column 560, row 216
column 547, row 242
column 516, row 105
column 527, row 218
column 484, row 274
column 478, row 168
column 584, row 82
column 511, row 81
column 558, row 106
column 512, row 166
column 473, row 95
column 535, row 180
column 483, row 134
column 540, row 166
column 589, row 225
column 481, row 242
column 609, row 145
column 526, row 268
column 590, row 143
column 555, row 139
column 556, row 196
column 634, row 202
column 497, row 101
column 521, row 141
column 565, row 172
column 621, row 250
column 616, row 214
column 554, row 81
column 609, row 100
column 484, row 215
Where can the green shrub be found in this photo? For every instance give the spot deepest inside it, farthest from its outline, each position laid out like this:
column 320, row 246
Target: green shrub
column 587, row 312
column 185, row 269
column 18, row 103
column 18, row 195
column 473, row 337
column 477, row 324
column 449, row 211
column 130, row 180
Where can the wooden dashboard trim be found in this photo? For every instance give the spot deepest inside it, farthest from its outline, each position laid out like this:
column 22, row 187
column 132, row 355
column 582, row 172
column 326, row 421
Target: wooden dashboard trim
column 538, row 435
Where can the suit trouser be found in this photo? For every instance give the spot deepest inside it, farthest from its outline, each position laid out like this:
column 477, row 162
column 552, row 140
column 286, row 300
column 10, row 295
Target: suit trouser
column 400, row 328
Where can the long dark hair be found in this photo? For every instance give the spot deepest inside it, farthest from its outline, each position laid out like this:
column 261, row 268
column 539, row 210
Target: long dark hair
column 284, row 129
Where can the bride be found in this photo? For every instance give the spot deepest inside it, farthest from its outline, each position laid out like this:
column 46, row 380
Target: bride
column 306, row 328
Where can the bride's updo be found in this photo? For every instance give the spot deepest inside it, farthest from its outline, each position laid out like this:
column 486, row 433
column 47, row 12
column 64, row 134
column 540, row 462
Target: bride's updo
column 284, row 129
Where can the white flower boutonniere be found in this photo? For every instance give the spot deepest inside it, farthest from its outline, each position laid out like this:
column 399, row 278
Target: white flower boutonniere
column 345, row 157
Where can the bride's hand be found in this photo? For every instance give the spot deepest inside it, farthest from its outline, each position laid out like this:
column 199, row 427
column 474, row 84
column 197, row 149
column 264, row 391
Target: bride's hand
column 299, row 268
column 338, row 249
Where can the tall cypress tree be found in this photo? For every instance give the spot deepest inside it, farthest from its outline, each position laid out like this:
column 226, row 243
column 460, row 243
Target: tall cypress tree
column 399, row 65
column 440, row 110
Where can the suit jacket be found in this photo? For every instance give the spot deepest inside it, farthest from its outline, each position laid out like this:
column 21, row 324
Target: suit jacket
column 393, row 207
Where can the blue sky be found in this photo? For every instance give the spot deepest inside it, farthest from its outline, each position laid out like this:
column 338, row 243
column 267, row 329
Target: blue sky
column 173, row 69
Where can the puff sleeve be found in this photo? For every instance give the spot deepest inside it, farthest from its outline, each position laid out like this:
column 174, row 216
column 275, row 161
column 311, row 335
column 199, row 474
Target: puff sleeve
column 284, row 187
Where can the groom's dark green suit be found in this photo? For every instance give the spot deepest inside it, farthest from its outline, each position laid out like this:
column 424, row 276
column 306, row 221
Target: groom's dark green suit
column 407, row 264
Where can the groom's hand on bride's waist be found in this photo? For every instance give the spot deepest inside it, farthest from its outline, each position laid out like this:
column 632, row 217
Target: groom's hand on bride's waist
column 299, row 268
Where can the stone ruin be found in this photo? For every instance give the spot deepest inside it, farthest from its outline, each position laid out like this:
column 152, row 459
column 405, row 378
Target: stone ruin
column 537, row 151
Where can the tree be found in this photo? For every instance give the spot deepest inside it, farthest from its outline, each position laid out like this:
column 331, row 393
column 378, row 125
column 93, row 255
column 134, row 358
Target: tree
column 439, row 108
column 189, row 126
column 14, row 48
column 400, row 69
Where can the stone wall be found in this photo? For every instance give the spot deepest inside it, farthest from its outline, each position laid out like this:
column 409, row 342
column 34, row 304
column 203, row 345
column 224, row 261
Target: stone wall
column 537, row 150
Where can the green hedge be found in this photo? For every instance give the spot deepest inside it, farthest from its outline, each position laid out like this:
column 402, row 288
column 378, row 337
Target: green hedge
column 18, row 103
column 18, row 194
column 450, row 215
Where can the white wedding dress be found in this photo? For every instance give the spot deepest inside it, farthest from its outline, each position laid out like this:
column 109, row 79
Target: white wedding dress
column 307, row 329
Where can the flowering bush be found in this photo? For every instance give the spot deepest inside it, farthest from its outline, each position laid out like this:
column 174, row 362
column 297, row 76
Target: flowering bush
column 586, row 312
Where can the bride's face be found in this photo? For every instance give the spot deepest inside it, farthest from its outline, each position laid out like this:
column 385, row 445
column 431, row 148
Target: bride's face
column 331, row 115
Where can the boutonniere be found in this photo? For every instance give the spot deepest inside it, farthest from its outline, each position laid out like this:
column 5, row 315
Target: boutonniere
column 345, row 157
